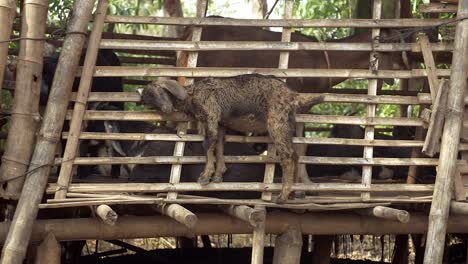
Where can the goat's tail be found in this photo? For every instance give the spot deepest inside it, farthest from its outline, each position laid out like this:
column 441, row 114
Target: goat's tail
column 308, row 100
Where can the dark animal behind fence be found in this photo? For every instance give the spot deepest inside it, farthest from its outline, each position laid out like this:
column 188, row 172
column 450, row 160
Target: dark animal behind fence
column 220, row 102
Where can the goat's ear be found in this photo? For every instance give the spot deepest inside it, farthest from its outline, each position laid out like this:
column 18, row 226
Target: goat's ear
column 174, row 88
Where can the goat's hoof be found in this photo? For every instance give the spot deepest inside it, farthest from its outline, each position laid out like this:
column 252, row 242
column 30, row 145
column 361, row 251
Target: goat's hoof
column 217, row 179
column 203, row 181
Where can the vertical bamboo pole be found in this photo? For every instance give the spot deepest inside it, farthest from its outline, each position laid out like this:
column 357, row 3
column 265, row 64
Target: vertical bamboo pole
column 7, row 15
column 372, row 90
column 19, row 233
column 258, row 240
column 79, row 108
column 25, row 113
column 449, row 148
column 288, row 246
column 48, row 251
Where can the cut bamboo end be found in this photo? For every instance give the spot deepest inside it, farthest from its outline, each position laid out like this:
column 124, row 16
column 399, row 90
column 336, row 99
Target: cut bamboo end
column 246, row 213
column 178, row 213
column 389, row 213
column 106, row 214
column 459, row 208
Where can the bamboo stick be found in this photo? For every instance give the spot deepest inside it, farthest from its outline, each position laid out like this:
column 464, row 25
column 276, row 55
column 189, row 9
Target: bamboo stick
column 215, row 223
column 389, row 213
column 288, row 246
column 106, row 214
column 448, row 154
column 460, row 208
column 231, row 186
column 48, row 251
column 7, row 16
column 257, row 159
column 430, row 65
column 245, row 213
column 371, row 90
column 25, row 113
column 178, row 213
column 300, row 118
column 439, row 109
column 152, row 71
column 333, row 23
column 264, row 45
column 19, row 234
column 79, row 109
column 258, row 239
column 250, row 139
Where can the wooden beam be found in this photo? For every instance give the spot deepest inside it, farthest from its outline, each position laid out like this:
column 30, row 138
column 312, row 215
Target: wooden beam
column 450, row 141
column 430, row 65
column 19, row 234
column 437, row 8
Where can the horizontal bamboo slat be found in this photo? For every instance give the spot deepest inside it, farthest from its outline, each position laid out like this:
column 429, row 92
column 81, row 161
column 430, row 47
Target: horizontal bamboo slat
column 148, row 71
column 264, row 45
column 296, row 23
column 231, row 186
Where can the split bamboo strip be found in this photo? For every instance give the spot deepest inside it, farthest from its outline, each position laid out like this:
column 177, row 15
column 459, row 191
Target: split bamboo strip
column 214, row 223
column 259, row 159
column 437, row 8
column 118, row 44
column 430, row 65
column 449, row 148
column 439, row 109
column 7, row 15
column 299, row 23
column 106, row 214
column 19, row 233
column 145, row 60
column 371, row 90
column 252, row 139
column 300, row 118
column 152, row 71
column 253, row 186
column 258, row 239
column 25, row 113
column 345, row 96
column 288, row 246
column 48, row 251
column 79, row 109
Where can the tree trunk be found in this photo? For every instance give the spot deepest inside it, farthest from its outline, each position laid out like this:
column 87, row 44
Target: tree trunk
column 259, row 8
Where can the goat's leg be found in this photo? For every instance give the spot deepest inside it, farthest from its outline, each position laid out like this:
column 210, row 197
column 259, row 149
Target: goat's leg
column 220, row 164
column 211, row 139
column 280, row 130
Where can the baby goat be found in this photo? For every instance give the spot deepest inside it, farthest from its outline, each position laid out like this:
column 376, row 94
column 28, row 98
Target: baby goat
column 245, row 103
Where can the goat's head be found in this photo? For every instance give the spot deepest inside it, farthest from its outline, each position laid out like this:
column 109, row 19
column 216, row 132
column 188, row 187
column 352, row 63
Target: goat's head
column 160, row 94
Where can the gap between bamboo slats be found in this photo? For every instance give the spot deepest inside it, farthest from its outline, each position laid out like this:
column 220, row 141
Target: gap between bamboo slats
column 235, row 186
column 151, row 71
column 297, row 23
column 118, row 44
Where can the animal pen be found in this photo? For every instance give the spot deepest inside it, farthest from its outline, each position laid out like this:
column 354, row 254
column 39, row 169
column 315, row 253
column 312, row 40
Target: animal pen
column 331, row 206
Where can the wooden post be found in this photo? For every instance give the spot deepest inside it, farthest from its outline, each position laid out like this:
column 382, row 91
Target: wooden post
column 372, row 90
column 439, row 108
column 7, row 15
column 25, row 112
column 258, row 240
column 48, row 251
column 288, row 246
column 106, row 214
column 450, row 140
column 19, row 234
column 71, row 148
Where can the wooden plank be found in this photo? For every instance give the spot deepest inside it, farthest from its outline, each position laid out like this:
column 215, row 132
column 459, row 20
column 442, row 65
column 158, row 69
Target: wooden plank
column 437, row 8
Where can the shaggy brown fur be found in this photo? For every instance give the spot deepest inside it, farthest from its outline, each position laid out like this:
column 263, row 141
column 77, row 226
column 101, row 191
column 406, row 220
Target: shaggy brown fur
column 265, row 101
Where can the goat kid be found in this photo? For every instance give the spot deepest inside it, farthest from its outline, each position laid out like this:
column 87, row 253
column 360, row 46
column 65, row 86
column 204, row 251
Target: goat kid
column 265, row 102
